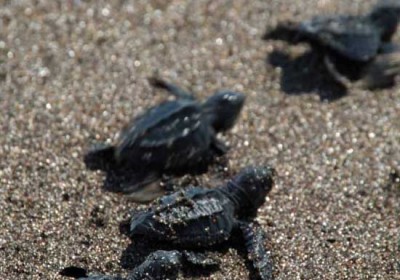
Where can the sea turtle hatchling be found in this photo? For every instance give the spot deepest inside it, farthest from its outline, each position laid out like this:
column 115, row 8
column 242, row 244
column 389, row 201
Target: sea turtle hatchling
column 355, row 48
column 198, row 218
column 176, row 137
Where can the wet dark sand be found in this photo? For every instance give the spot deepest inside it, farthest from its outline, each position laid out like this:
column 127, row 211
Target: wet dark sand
column 72, row 74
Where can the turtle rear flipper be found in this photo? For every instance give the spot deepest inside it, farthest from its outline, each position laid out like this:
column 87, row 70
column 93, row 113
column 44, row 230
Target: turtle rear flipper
column 171, row 88
column 167, row 264
column 382, row 72
column 200, row 259
column 102, row 277
column 254, row 237
column 158, row 265
column 81, row 274
column 100, row 157
column 74, row 272
column 287, row 32
column 198, row 264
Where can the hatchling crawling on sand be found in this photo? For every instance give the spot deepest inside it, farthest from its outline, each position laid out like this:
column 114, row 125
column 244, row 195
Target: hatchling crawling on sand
column 355, row 48
column 198, row 218
column 176, row 137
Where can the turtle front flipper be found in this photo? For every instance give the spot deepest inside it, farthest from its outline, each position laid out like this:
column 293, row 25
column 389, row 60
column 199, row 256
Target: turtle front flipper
column 171, row 88
column 254, row 237
column 336, row 75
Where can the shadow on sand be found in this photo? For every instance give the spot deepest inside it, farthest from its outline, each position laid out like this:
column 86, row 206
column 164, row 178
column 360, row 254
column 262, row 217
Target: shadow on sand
column 305, row 73
column 117, row 178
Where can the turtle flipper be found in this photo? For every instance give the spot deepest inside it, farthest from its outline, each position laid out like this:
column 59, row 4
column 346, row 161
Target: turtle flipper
column 254, row 237
column 100, row 156
column 383, row 70
column 81, row 274
column 336, row 75
column 286, row 31
column 102, row 277
column 198, row 264
column 199, row 259
column 219, row 147
column 74, row 272
column 167, row 264
column 171, row 88
column 158, row 265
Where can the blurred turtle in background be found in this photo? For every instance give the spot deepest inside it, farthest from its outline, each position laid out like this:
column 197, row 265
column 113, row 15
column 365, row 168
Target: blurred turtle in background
column 174, row 138
column 355, row 48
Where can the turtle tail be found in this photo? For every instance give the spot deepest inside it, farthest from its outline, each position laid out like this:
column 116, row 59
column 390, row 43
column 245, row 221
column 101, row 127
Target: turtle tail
column 254, row 237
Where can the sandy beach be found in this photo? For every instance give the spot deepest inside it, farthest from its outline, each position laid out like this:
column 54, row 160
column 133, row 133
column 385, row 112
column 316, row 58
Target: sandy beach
column 75, row 72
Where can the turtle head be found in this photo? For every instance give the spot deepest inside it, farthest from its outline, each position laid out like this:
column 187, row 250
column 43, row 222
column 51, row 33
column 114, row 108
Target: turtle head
column 386, row 16
column 223, row 109
column 250, row 187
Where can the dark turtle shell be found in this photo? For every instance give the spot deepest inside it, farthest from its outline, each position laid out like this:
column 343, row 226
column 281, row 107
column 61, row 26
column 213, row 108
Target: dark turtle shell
column 353, row 37
column 195, row 217
column 169, row 136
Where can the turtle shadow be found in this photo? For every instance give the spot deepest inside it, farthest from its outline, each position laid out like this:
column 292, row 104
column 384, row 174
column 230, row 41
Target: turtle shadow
column 119, row 178
column 305, row 74
column 116, row 177
column 102, row 159
column 137, row 252
column 123, row 178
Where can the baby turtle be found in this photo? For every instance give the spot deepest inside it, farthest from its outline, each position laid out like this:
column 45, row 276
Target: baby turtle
column 355, row 47
column 176, row 137
column 198, row 218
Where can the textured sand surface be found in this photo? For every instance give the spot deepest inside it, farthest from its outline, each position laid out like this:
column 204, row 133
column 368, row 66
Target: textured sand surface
column 73, row 72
